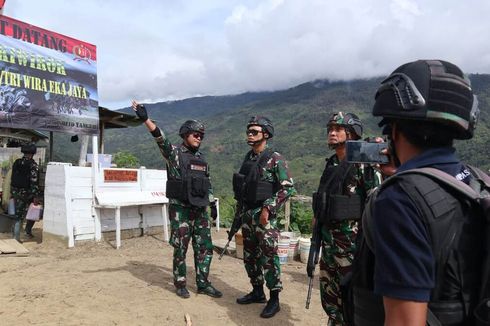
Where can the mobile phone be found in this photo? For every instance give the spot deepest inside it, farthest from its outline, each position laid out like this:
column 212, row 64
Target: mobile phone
column 359, row 151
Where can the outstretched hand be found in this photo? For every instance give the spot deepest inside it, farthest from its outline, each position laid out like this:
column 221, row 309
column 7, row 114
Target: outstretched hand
column 140, row 111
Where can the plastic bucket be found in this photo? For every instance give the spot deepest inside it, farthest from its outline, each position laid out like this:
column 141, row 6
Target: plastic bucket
column 283, row 248
column 304, row 249
column 283, row 258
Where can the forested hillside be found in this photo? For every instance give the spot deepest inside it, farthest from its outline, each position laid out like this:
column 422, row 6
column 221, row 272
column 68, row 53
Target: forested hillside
column 299, row 115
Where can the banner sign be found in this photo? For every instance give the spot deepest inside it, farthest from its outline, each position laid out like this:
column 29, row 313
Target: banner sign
column 48, row 81
column 120, row 175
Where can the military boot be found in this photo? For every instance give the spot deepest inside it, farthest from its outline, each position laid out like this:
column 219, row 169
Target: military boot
column 272, row 306
column 256, row 296
column 211, row 291
column 182, row 292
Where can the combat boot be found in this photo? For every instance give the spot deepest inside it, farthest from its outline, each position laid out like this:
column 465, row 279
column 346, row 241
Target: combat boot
column 256, row 296
column 211, row 291
column 182, row 292
column 272, row 306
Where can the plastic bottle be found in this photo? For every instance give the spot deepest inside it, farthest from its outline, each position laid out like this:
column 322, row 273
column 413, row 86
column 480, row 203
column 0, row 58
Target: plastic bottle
column 11, row 207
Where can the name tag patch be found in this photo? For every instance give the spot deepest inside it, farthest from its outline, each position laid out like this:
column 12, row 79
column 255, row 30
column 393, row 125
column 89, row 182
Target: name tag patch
column 196, row 167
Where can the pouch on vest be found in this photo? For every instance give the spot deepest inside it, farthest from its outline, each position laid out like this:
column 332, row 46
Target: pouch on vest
column 175, row 189
column 198, row 183
column 238, row 184
column 342, row 207
column 260, row 191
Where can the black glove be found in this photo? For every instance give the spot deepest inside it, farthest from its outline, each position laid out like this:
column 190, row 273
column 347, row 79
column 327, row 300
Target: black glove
column 141, row 112
column 214, row 210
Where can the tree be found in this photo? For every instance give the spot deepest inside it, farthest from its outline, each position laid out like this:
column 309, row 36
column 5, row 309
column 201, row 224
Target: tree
column 125, row 159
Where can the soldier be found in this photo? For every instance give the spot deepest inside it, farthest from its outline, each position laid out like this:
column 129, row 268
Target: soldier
column 190, row 193
column 337, row 207
column 24, row 188
column 422, row 248
column 261, row 188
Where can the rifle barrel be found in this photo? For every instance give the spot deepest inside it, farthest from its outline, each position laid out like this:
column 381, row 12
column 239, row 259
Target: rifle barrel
column 224, row 250
column 308, row 296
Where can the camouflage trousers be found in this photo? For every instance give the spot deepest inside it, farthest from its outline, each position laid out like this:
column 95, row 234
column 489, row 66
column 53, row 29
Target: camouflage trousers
column 22, row 201
column 260, row 252
column 188, row 223
column 338, row 249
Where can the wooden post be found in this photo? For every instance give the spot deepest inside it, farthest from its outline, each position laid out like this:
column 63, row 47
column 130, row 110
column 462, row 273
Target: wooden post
column 287, row 214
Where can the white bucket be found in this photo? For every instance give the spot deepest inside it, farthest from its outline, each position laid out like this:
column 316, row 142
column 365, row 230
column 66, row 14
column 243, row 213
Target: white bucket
column 283, row 248
column 304, row 249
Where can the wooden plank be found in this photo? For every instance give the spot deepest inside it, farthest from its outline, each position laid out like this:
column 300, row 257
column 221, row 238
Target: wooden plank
column 5, row 248
column 19, row 248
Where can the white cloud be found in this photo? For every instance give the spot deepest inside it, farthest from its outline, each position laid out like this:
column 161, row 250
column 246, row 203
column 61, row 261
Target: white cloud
column 175, row 49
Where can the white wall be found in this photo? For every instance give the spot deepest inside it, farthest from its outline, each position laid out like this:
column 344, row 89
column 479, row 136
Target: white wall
column 69, row 210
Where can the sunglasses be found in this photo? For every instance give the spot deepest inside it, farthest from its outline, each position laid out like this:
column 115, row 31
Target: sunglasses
column 252, row 132
column 198, row 135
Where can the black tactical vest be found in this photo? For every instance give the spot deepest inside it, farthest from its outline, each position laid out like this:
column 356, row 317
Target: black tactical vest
column 332, row 202
column 248, row 186
column 193, row 185
column 21, row 173
column 456, row 239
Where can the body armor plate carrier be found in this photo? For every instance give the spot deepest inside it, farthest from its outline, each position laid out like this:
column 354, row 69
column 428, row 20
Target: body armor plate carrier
column 248, row 186
column 193, row 185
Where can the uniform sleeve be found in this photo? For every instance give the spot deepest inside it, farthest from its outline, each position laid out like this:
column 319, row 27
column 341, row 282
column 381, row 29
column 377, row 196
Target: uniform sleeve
column 404, row 265
column 168, row 151
column 286, row 186
column 34, row 184
column 210, row 191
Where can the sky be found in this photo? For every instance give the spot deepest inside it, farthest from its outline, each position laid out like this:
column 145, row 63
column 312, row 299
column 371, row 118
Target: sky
column 159, row 50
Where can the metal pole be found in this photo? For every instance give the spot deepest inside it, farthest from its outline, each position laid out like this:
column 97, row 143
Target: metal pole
column 51, row 142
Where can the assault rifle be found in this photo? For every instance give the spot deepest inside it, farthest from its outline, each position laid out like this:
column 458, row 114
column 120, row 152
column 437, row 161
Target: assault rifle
column 235, row 226
column 313, row 256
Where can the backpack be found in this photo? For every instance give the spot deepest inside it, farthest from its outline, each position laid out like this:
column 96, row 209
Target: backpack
column 429, row 187
column 21, row 173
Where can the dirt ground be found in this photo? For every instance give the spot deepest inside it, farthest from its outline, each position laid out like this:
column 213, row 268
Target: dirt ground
column 95, row 284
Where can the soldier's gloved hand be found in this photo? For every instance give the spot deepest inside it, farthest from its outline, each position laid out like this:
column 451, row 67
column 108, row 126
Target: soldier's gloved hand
column 140, row 111
column 214, row 210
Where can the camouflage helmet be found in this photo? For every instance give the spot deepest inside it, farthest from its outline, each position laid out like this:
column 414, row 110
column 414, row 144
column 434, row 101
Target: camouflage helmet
column 29, row 148
column 429, row 90
column 263, row 122
column 349, row 121
column 191, row 126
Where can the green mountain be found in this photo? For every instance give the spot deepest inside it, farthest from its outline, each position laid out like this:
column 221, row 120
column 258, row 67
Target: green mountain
column 299, row 115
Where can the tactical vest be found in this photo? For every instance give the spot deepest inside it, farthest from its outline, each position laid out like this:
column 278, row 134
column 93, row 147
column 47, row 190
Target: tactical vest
column 456, row 230
column 192, row 187
column 248, row 186
column 21, row 173
column 331, row 202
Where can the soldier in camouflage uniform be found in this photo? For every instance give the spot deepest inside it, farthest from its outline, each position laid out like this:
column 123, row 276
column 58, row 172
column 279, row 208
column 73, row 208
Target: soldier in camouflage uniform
column 190, row 193
column 349, row 183
column 24, row 188
column 261, row 188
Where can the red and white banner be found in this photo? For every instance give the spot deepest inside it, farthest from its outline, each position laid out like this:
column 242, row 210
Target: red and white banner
column 47, row 80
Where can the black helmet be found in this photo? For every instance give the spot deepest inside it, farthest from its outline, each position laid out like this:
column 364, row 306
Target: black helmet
column 28, row 148
column 429, row 90
column 190, row 126
column 263, row 122
column 349, row 121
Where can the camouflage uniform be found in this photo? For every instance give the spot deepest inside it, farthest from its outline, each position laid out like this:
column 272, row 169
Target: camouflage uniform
column 338, row 243
column 187, row 222
column 24, row 196
column 260, row 242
